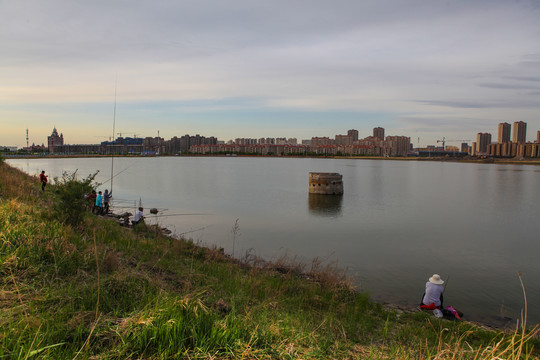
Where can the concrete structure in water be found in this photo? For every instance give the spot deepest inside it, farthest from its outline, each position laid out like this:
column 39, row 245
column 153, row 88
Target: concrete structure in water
column 325, row 183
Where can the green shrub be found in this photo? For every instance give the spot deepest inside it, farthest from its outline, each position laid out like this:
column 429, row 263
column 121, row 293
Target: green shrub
column 71, row 203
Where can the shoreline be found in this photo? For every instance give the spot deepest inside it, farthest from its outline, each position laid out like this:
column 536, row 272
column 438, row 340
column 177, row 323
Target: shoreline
column 397, row 307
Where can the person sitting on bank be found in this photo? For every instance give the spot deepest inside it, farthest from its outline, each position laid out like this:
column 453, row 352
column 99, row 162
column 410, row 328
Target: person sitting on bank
column 433, row 296
column 138, row 217
column 43, row 179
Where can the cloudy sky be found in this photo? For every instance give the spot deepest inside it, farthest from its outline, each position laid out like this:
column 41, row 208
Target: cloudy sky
column 245, row 68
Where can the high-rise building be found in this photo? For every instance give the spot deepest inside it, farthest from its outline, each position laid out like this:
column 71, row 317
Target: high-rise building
column 519, row 132
column 55, row 140
column 504, row 133
column 482, row 142
column 538, row 137
column 344, row 140
column 353, row 134
column 321, row 141
column 398, row 145
column 378, row 132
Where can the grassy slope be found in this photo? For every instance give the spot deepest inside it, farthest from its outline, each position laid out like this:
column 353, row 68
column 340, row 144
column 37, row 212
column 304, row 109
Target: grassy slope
column 102, row 291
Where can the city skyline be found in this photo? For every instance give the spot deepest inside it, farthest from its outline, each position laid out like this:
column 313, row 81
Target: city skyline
column 281, row 69
column 349, row 144
column 482, row 139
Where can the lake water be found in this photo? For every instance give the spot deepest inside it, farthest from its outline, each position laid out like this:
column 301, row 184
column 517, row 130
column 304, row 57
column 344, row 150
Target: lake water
column 397, row 223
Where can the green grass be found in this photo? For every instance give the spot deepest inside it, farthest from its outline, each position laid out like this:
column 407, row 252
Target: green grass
column 95, row 290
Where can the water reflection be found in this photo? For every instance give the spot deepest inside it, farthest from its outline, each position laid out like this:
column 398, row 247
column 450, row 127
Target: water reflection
column 325, row 205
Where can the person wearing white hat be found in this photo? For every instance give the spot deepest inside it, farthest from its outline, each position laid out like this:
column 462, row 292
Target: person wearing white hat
column 433, row 297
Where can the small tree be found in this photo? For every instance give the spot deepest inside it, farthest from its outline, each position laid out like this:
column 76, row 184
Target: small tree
column 71, row 197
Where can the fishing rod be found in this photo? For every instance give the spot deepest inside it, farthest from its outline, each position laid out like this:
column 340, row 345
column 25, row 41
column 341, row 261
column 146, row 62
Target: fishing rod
column 181, row 214
column 112, row 177
column 125, row 200
column 124, row 206
column 119, row 202
column 113, row 129
column 192, row 231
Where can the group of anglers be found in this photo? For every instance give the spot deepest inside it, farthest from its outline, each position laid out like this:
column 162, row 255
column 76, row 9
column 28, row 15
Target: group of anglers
column 98, row 202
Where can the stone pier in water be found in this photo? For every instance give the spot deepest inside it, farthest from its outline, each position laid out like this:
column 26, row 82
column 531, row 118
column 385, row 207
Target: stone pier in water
column 325, row 183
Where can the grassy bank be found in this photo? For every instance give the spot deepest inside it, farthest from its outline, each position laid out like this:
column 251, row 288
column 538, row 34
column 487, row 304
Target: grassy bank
column 89, row 289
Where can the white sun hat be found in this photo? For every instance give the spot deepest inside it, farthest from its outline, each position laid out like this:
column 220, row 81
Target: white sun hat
column 436, row 279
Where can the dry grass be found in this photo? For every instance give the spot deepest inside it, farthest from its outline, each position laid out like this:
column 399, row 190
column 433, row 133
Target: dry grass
column 14, row 185
column 506, row 346
column 326, row 274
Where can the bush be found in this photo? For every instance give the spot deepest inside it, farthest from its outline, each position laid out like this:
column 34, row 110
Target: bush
column 71, row 201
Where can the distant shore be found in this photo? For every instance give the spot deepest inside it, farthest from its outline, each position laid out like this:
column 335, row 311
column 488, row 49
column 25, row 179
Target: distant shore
column 468, row 159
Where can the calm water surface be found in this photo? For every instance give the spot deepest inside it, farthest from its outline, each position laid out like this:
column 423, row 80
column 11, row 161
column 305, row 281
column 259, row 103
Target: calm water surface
column 398, row 222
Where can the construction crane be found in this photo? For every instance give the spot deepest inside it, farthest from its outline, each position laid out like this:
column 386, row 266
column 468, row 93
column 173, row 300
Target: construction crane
column 128, row 132
column 444, row 141
column 104, row 137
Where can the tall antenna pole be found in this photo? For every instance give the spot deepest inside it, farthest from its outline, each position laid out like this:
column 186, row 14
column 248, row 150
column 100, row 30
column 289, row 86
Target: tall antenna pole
column 27, row 138
column 113, row 130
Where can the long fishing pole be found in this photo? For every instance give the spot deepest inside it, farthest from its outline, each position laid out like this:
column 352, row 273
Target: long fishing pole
column 180, row 215
column 115, row 175
column 113, row 130
column 192, row 231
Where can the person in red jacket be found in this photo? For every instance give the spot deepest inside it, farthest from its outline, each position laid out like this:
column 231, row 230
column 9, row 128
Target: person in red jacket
column 43, row 179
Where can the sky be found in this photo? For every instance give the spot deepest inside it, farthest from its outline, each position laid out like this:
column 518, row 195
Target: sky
column 426, row 69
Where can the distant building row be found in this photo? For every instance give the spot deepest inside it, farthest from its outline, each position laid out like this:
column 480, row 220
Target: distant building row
column 391, row 147
column 504, row 147
column 376, row 145
column 128, row 145
column 348, row 144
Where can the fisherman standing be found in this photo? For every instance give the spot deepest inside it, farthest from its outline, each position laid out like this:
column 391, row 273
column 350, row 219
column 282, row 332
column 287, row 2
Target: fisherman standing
column 106, row 199
column 92, row 200
column 43, row 179
column 99, row 203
